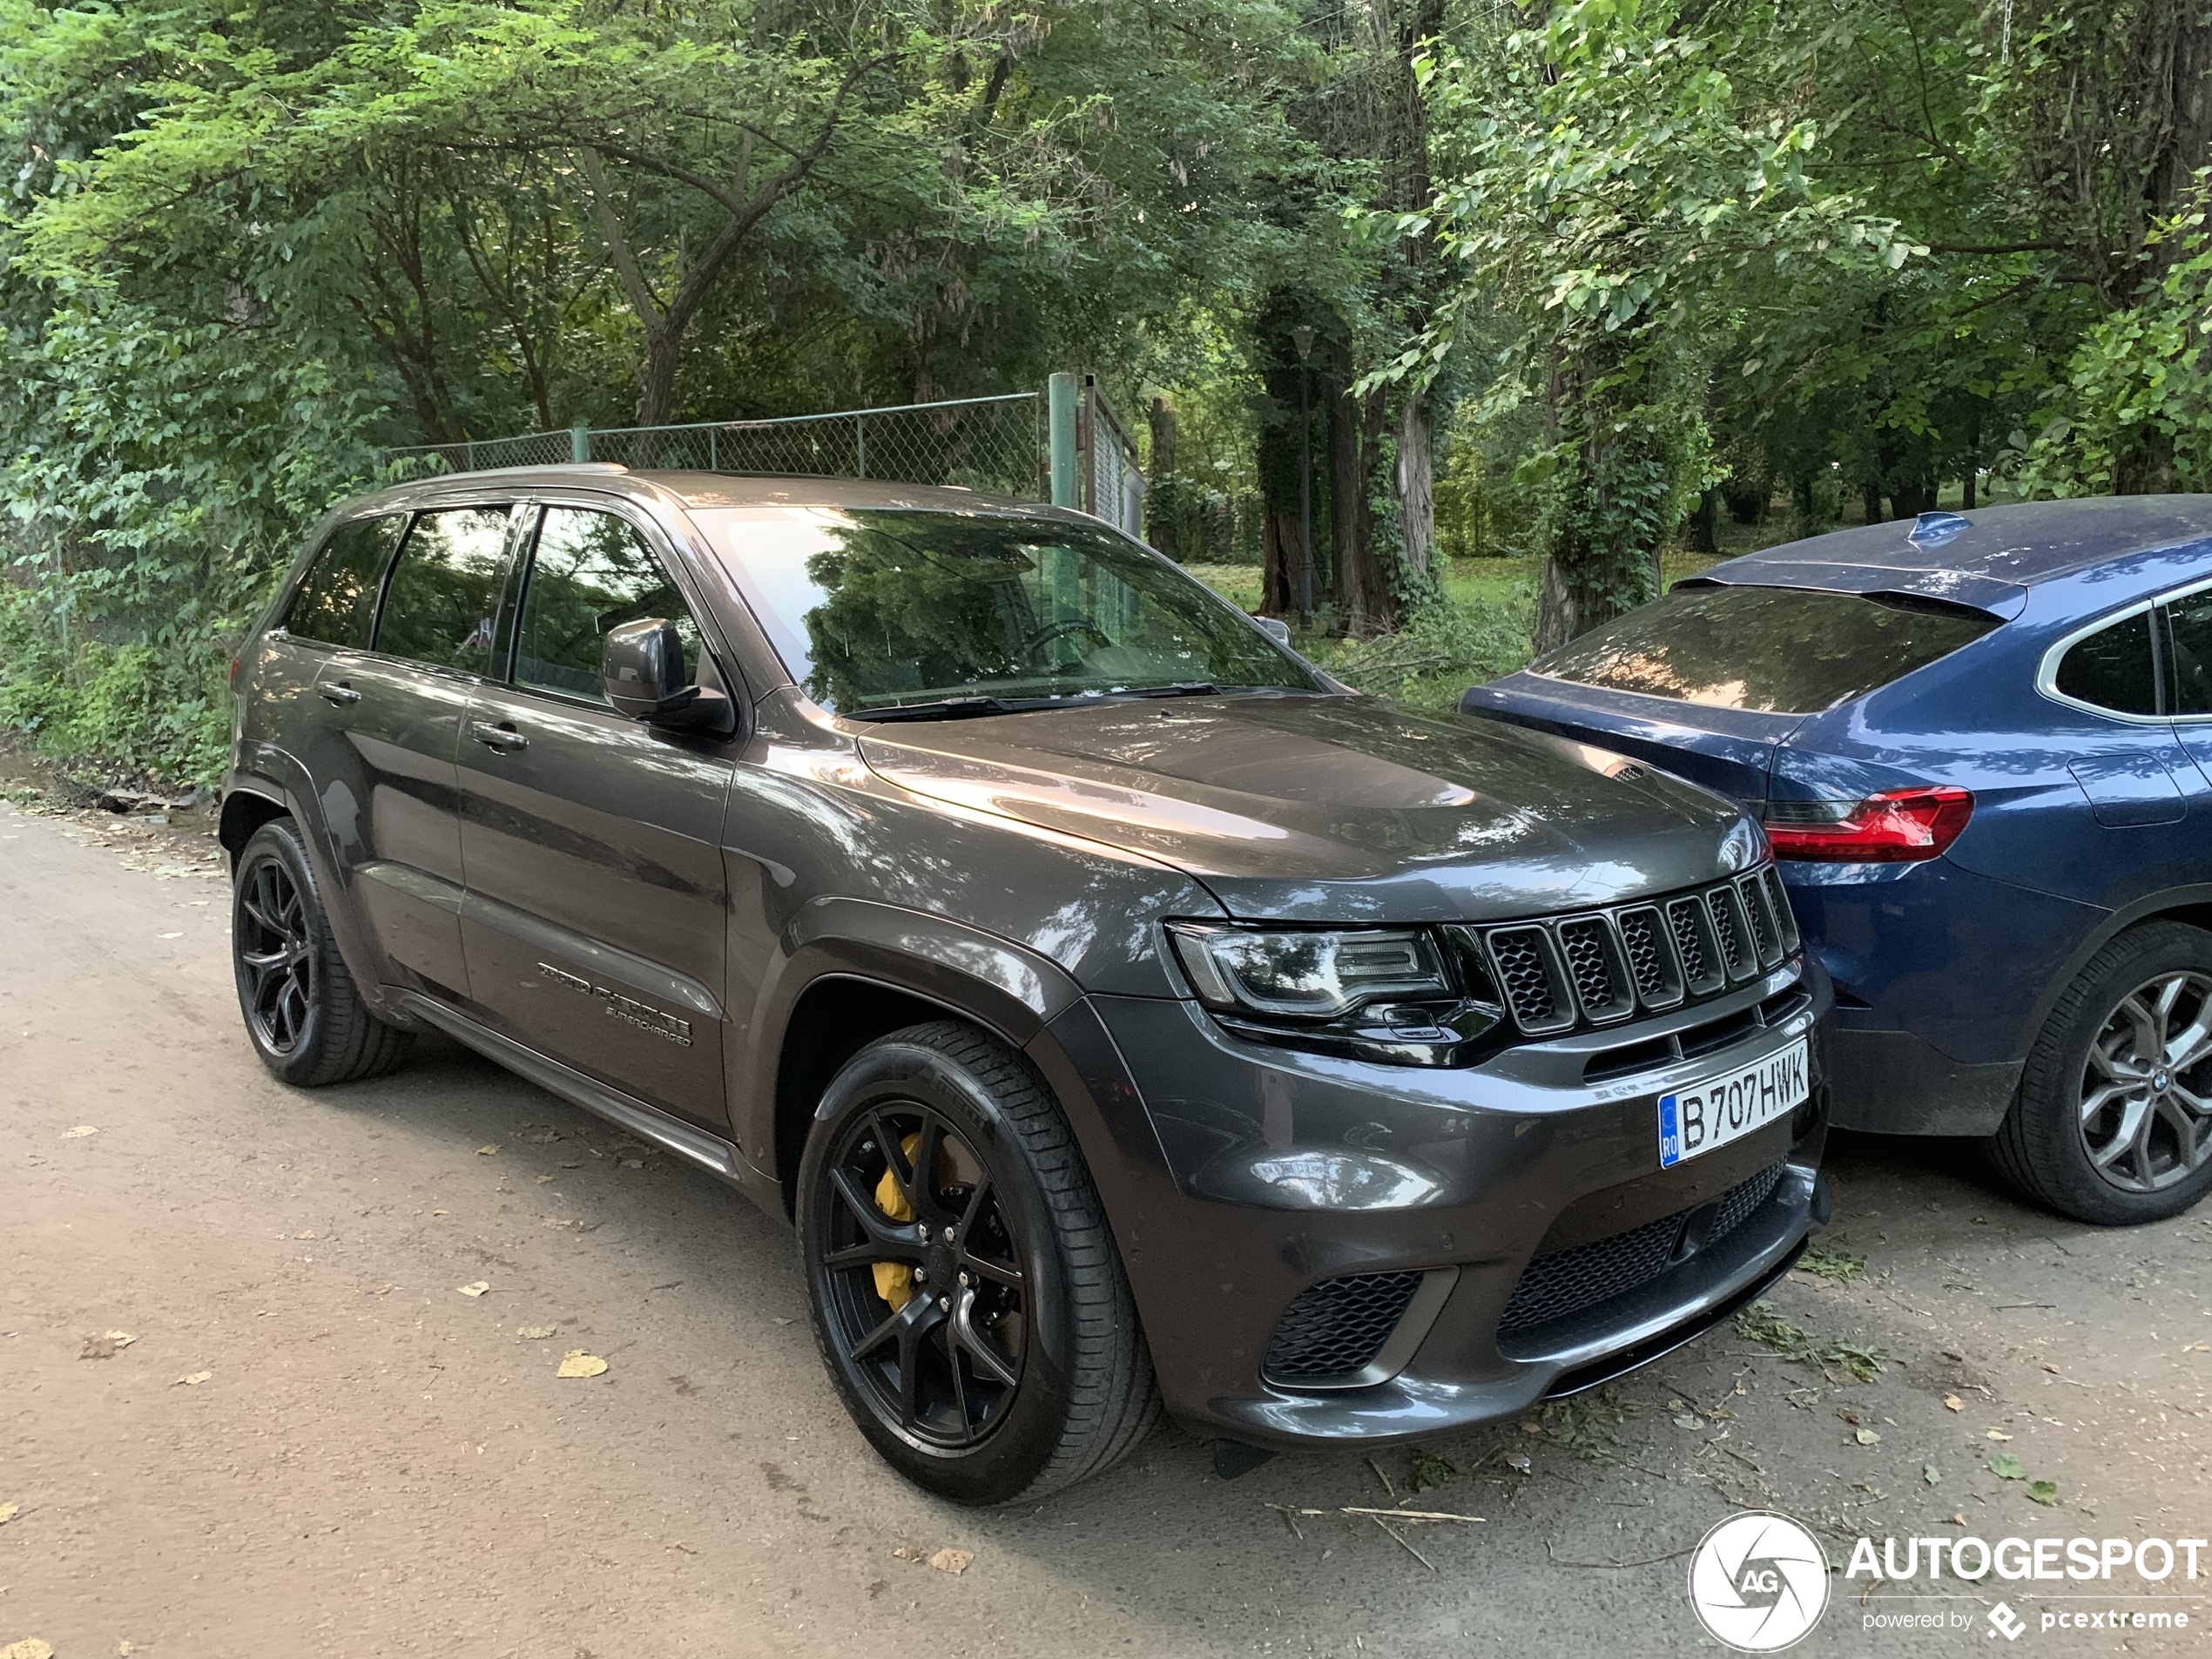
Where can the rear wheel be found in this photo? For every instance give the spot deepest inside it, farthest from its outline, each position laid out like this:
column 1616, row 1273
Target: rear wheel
column 305, row 1016
column 2114, row 1120
column 967, row 1296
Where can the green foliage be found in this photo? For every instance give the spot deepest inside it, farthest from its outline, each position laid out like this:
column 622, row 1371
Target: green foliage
column 1760, row 1323
column 2137, row 410
column 1589, row 1425
column 1432, row 1471
column 1444, row 648
column 1823, row 1262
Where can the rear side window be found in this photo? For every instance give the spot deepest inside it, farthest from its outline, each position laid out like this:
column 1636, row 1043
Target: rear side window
column 2188, row 632
column 1777, row 651
column 336, row 603
column 441, row 605
column 2114, row 669
column 591, row 573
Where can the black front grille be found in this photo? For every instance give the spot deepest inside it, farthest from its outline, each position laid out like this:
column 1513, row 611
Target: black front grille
column 1557, row 973
column 1522, row 976
column 1336, row 1328
column 1564, row 1282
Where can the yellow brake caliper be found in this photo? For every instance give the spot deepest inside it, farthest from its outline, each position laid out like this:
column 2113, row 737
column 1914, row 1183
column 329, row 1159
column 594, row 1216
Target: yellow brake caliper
column 894, row 1281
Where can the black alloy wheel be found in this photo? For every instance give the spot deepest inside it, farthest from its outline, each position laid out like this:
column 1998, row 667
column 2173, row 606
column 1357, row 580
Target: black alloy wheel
column 939, row 1338
column 307, row 1018
column 967, row 1298
column 276, row 956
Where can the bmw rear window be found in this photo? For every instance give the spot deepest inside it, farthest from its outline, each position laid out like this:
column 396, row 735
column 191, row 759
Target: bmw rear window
column 1775, row 651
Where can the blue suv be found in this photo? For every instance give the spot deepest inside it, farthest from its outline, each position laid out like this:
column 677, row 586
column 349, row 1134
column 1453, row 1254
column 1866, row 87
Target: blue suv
column 1981, row 745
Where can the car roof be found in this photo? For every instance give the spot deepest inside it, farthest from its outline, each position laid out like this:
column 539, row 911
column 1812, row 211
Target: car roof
column 711, row 490
column 1988, row 558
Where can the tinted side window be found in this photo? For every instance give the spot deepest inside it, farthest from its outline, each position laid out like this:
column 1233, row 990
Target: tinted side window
column 443, row 602
column 2114, row 668
column 1780, row 650
column 590, row 573
column 336, row 602
column 2189, row 634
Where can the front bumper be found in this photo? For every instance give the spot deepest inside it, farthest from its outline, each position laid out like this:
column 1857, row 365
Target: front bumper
column 1239, row 1176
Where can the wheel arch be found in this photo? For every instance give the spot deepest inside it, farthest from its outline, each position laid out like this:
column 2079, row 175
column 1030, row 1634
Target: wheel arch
column 2190, row 905
column 853, row 971
column 247, row 807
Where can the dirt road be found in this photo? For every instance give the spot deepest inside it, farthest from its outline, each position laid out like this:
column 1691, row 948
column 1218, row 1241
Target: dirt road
column 317, row 1442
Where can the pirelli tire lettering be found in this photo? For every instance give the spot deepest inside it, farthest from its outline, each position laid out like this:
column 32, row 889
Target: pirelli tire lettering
column 644, row 1016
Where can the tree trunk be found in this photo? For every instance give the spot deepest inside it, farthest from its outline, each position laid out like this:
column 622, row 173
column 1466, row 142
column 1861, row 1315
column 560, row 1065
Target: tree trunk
column 1350, row 521
column 1163, row 463
column 1414, row 480
column 1278, row 562
column 1559, row 617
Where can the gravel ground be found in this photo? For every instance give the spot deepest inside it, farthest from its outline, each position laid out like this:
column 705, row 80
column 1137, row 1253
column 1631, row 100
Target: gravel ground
column 317, row 1442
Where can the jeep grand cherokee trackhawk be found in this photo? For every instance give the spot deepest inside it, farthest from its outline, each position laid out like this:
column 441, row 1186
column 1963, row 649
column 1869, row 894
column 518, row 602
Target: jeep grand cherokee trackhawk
column 1128, row 1015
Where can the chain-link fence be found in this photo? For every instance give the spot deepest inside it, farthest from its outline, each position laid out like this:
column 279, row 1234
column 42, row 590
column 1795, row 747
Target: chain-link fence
column 992, row 444
column 1113, row 484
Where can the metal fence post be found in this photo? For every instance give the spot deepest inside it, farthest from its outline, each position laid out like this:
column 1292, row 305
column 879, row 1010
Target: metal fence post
column 579, row 443
column 860, row 444
column 1060, row 395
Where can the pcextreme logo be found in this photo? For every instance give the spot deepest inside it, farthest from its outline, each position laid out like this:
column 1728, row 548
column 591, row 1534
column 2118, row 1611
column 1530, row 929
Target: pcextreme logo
column 1758, row 1583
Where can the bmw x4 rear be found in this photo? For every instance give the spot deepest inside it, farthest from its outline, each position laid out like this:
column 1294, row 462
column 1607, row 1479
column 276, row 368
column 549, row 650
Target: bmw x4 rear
column 1125, row 1015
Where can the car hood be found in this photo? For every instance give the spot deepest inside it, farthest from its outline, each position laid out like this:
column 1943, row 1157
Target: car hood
column 1333, row 808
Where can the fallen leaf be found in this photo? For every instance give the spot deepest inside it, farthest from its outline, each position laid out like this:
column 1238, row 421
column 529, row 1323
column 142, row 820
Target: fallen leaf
column 909, row 1552
column 477, row 1289
column 951, row 1560
column 1867, row 1437
column 194, row 1379
column 8, row 1512
column 546, row 1139
column 79, row 1132
column 1995, row 1434
column 1520, row 1460
column 1688, row 1421
column 29, row 1647
column 632, row 1164
column 487, row 1151
column 543, row 1179
column 576, row 1363
column 1930, row 1474
column 1530, row 1426
column 1952, row 1403
column 1959, row 1519
column 2043, row 1492
column 106, row 1345
column 308, row 1234
column 537, row 1332
column 2006, row 1466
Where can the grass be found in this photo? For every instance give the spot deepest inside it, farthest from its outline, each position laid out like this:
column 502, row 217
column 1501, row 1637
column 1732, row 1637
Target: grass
column 1760, row 1323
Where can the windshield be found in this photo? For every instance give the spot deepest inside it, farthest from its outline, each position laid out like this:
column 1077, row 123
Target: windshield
column 1779, row 651
column 889, row 610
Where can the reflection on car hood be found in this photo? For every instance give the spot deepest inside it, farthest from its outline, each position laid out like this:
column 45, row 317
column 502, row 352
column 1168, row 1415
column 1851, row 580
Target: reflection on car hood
column 1333, row 808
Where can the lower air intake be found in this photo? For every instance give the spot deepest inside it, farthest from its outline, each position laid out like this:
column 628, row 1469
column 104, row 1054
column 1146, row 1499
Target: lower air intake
column 1335, row 1329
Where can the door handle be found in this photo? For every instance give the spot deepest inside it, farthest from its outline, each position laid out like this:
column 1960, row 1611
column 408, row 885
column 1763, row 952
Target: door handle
column 339, row 692
column 502, row 736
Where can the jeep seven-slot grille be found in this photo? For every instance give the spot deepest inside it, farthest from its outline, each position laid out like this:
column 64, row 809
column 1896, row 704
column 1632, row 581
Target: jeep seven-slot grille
column 1564, row 1282
column 1335, row 1329
column 1558, row 972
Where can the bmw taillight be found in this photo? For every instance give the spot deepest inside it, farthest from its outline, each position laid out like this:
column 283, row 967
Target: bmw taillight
column 1896, row 826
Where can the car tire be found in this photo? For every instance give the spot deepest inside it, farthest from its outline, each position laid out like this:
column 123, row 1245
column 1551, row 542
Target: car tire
column 1021, row 1368
column 2103, row 1127
column 304, row 1015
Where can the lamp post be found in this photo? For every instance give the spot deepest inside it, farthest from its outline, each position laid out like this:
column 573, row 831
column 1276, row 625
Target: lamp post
column 1302, row 337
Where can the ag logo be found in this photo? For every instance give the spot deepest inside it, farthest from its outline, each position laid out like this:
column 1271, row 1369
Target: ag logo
column 1758, row 1581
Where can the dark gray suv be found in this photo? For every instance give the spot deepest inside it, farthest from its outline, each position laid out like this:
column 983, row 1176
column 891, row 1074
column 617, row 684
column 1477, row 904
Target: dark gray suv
column 1126, row 1014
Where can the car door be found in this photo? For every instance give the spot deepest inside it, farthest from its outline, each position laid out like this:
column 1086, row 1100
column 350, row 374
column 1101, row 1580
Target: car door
column 382, row 754
column 595, row 918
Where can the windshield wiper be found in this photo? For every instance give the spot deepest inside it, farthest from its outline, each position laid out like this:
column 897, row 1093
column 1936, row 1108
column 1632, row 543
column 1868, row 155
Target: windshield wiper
column 950, row 708
column 1181, row 688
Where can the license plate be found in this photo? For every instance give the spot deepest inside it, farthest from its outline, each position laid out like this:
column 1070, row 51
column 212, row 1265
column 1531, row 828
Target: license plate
column 1728, row 1107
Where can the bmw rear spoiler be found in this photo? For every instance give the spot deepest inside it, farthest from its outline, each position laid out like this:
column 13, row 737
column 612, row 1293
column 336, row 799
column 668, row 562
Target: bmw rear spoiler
column 1944, row 589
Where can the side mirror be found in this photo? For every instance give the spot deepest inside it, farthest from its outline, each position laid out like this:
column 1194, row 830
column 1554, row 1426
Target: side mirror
column 1276, row 629
column 642, row 669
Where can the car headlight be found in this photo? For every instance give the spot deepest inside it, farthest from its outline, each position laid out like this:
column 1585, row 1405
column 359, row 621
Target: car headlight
column 1316, row 975
column 1401, row 995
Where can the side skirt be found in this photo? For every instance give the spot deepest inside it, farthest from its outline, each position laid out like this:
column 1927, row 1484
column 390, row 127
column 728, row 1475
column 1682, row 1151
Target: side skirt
column 711, row 1153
